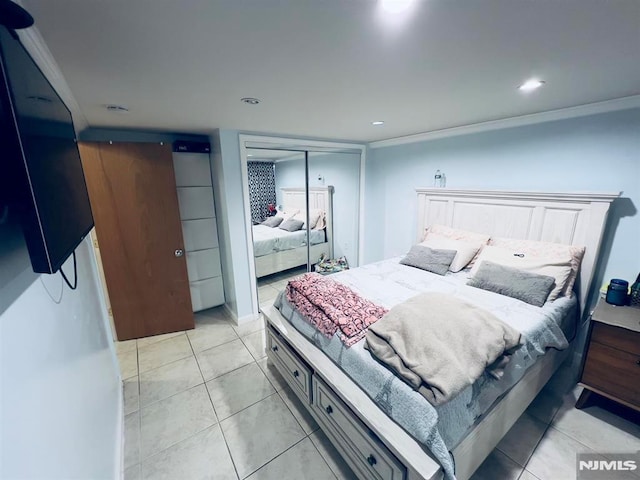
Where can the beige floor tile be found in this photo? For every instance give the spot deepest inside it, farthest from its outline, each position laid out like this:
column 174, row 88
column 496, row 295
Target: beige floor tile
column 299, row 411
column 272, row 373
column 131, row 392
column 219, row 313
column 555, row 456
column 256, row 343
column 520, row 442
column 596, row 428
column 217, row 361
column 259, row 433
column 300, row 462
column 238, row 389
column 203, row 456
column 146, row 341
column 165, row 381
column 497, row 466
column 131, row 439
column 267, row 293
column 336, row 463
column 128, row 362
column 174, row 419
column 545, row 405
column 132, row 473
column 211, row 334
column 246, row 328
column 160, row 353
column 125, row 346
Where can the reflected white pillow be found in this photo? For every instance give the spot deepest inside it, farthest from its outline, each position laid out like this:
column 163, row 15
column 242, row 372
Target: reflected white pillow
column 465, row 251
column 314, row 215
column 556, row 267
column 287, row 212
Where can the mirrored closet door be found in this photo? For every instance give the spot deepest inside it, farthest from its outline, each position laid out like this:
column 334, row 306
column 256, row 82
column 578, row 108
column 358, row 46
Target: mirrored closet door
column 304, row 213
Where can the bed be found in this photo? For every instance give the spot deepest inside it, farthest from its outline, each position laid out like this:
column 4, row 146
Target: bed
column 379, row 443
column 276, row 250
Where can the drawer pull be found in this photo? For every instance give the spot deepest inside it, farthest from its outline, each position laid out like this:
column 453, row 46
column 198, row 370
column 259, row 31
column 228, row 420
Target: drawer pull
column 638, row 362
column 371, row 460
column 274, row 348
column 329, row 410
column 296, row 373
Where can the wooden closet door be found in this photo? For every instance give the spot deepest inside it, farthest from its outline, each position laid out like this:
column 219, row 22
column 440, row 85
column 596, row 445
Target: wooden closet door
column 133, row 196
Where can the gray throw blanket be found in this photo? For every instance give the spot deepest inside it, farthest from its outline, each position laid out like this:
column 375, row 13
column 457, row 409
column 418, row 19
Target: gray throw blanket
column 440, row 344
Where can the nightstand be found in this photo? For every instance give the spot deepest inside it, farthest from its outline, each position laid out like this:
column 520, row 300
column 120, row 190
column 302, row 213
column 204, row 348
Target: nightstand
column 612, row 360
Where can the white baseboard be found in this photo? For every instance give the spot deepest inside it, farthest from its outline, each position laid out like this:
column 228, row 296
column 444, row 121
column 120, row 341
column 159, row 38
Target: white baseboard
column 119, row 460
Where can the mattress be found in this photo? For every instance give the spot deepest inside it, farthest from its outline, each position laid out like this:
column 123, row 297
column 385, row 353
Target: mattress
column 267, row 240
column 440, row 429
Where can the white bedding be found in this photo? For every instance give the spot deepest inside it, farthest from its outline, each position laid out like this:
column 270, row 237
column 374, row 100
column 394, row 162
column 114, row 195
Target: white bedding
column 267, row 240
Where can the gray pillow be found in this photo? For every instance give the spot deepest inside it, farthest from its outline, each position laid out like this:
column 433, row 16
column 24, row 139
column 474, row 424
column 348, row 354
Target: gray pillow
column 429, row 259
column 291, row 225
column 529, row 287
column 272, row 222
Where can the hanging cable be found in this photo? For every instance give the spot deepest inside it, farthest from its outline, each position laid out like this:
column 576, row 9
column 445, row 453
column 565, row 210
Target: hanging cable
column 75, row 274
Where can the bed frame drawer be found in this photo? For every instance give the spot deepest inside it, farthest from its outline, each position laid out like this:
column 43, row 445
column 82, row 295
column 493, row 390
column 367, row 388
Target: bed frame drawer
column 291, row 365
column 372, row 459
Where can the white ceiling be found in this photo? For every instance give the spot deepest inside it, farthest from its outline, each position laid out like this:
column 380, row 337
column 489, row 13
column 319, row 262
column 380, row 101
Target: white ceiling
column 328, row 68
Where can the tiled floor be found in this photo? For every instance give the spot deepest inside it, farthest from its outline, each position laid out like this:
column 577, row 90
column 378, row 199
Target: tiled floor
column 270, row 286
column 206, row 404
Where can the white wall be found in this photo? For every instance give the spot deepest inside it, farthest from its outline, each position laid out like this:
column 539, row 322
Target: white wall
column 61, row 408
column 342, row 170
column 230, row 205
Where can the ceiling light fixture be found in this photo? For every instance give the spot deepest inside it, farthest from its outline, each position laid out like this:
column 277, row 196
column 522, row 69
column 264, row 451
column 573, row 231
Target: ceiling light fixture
column 117, row 108
column 250, row 100
column 531, row 85
column 395, row 6
column 377, row 122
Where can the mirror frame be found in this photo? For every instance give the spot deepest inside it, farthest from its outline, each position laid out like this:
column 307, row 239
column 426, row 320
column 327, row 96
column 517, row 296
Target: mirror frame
column 247, row 141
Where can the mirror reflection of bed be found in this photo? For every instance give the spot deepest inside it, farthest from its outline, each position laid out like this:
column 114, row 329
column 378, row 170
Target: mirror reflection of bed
column 285, row 244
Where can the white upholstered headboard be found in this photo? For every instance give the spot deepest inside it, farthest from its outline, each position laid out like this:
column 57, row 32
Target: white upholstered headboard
column 319, row 198
column 569, row 218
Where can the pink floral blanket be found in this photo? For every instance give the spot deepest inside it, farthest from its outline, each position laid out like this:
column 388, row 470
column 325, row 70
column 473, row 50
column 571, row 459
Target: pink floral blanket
column 330, row 306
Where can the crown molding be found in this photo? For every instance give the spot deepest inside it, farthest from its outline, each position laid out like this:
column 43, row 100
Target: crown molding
column 34, row 43
column 522, row 195
column 519, row 121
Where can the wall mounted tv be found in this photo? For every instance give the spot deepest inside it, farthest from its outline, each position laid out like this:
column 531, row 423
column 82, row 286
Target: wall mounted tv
column 40, row 162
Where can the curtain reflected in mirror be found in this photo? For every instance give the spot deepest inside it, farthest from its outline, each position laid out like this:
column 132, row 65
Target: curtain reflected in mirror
column 301, row 222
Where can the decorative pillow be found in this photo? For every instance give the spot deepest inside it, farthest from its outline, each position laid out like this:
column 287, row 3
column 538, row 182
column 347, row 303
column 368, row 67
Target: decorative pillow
column 287, row 212
column 429, row 259
column 465, row 251
column 457, row 234
column 272, row 221
column 558, row 268
column 291, row 225
column 531, row 288
column 314, row 216
column 321, row 224
column 547, row 249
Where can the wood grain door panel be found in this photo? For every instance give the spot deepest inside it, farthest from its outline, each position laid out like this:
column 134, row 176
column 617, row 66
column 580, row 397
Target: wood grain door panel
column 133, row 196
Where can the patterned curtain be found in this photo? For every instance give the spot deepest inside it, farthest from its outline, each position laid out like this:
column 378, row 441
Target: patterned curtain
column 262, row 189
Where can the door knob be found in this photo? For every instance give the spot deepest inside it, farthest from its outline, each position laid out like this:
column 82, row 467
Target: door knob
column 179, row 252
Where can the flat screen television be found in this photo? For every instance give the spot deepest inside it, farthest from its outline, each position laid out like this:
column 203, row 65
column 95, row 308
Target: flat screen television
column 43, row 181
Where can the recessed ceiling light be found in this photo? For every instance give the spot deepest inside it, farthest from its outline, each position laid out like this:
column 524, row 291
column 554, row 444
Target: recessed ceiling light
column 395, row 6
column 250, row 100
column 531, row 85
column 377, row 122
column 117, row 108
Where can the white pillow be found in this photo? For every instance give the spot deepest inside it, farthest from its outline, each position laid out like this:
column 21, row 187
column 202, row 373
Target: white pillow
column 286, row 213
column 556, row 267
column 314, row 215
column 465, row 251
